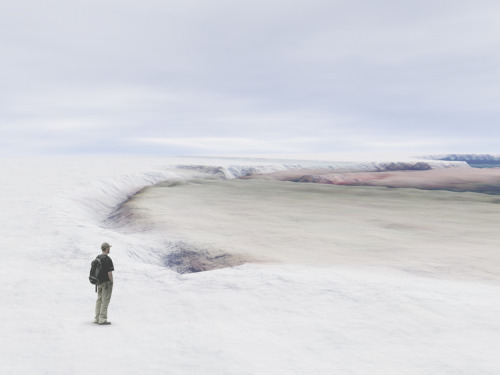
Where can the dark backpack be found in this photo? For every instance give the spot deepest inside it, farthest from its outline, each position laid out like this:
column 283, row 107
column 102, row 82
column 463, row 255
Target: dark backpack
column 95, row 270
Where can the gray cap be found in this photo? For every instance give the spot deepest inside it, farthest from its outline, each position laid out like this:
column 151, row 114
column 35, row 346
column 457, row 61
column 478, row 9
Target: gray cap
column 105, row 246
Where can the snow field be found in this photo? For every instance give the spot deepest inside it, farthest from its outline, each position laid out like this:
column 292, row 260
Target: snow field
column 251, row 319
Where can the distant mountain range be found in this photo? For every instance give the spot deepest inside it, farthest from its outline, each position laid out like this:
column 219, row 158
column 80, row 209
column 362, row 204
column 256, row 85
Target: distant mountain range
column 472, row 159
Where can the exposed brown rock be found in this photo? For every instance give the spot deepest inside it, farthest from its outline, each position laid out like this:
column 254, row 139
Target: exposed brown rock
column 188, row 259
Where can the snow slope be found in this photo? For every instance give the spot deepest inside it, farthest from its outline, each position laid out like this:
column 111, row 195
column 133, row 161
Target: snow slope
column 250, row 319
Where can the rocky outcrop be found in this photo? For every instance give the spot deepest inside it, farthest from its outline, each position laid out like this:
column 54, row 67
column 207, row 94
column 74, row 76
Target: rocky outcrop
column 405, row 166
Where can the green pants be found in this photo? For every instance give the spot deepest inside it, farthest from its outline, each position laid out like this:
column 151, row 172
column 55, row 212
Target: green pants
column 104, row 291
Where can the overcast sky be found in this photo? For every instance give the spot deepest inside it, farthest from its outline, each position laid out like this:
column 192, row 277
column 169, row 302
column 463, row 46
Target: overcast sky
column 220, row 77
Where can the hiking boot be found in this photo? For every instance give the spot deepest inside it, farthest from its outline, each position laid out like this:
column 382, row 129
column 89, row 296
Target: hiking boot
column 104, row 323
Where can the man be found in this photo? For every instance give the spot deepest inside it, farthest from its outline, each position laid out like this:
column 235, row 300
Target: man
column 105, row 286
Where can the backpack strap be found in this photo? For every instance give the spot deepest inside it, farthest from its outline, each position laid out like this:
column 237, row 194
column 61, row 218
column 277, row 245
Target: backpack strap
column 100, row 257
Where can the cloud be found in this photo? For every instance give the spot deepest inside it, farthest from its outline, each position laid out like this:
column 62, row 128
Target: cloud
column 233, row 144
column 344, row 74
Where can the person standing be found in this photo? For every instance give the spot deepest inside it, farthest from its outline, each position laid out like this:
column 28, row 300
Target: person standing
column 105, row 286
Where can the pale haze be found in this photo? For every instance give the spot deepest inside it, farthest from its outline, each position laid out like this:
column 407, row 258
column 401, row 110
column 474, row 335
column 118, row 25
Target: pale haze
column 198, row 77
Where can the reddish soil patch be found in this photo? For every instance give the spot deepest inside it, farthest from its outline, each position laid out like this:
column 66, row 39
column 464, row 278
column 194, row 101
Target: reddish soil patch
column 484, row 180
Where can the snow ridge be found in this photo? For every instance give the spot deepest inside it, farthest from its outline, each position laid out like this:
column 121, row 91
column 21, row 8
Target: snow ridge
column 237, row 171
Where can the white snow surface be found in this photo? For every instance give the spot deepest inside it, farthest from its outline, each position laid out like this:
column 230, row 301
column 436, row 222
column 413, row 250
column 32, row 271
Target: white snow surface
column 249, row 319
